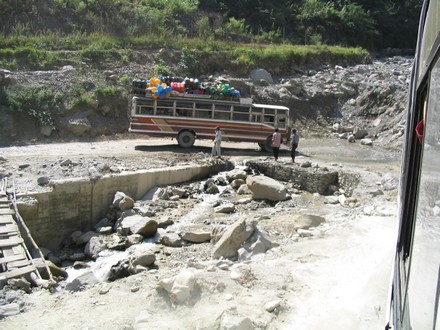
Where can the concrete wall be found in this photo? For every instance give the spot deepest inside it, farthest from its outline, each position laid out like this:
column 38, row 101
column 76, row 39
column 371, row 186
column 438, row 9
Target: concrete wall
column 78, row 204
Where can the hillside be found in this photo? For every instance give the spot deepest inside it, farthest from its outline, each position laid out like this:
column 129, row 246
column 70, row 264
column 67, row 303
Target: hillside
column 91, row 100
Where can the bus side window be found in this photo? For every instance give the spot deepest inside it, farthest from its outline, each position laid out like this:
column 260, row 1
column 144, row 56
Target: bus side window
column 240, row 113
column 163, row 112
column 181, row 112
column 203, row 110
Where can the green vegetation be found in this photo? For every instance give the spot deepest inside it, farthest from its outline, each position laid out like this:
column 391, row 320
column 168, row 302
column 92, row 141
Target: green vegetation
column 96, row 34
column 38, row 103
column 371, row 24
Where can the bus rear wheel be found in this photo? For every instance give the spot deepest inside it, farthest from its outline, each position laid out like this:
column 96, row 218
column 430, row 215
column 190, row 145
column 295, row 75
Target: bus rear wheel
column 266, row 145
column 186, row 139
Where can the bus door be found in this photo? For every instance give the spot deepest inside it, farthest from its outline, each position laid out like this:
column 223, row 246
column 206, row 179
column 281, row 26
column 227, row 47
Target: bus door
column 423, row 292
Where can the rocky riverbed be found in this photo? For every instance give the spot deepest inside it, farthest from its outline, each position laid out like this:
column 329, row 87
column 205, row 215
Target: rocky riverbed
column 275, row 258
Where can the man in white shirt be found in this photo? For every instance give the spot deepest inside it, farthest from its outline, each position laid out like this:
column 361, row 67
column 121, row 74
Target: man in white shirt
column 216, row 149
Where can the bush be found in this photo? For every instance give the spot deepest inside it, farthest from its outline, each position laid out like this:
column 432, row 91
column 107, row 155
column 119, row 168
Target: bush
column 38, row 103
column 28, row 57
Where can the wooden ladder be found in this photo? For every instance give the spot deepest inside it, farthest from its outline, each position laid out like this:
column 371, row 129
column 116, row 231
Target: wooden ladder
column 15, row 260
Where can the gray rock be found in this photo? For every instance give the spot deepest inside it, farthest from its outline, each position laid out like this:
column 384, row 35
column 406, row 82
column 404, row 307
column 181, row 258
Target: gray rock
column 20, row 283
column 306, row 221
column 271, row 306
column 258, row 243
column 236, row 174
column 225, row 208
column 7, row 310
column 161, row 193
column 359, row 133
column 178, row 192
column 306, row 164
column 263, row 187
column 133, row 240
column 211, row 187
column 126, row 203
column 367, row 142
column 79, row 126
column 46, row 130
column 144, row 257
column 104, row 230
column 237, row 183
column 196, row 236
column 137, row 224
column 122, row 201
column 95, row 245
column 83, row 281
column 259, row 75
column 84, row 238
column 236, row 322
column 233, row 238
column 244, row 190
column 172, row 240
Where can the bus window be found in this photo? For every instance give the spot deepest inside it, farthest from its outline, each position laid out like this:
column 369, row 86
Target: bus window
column 240, row 113
column 256, row 115
column 184, row 108
column 144, row 107
column 281, row 122
column 203, row 110
column 222, row 111
column 164, row 107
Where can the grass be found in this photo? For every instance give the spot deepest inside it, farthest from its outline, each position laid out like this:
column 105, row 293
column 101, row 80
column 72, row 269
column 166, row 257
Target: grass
column 52, row 50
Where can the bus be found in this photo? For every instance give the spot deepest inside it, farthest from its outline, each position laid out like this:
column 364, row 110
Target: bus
column 414, row 293
column 190, row 117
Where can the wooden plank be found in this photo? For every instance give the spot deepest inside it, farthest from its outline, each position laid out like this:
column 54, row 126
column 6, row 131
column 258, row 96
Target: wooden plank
column 5, row 219
column 19, row 263
column 8, row 228
column 14, row 257
column 17, row 272
column 11, row 241
column 6, row 211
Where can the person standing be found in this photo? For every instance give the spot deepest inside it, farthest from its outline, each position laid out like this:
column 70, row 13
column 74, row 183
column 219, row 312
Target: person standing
column 216, row 148
column 276, row 143
column 294, row 140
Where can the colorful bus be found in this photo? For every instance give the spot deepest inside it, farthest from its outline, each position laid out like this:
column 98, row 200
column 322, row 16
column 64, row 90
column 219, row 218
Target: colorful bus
column 192, row 117
column 415, row 290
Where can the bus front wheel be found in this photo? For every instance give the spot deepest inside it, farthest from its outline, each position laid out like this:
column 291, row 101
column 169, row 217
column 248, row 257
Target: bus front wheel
column 186, row 139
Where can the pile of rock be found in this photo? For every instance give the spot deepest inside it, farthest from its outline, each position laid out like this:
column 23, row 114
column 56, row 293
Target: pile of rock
column 143, row 229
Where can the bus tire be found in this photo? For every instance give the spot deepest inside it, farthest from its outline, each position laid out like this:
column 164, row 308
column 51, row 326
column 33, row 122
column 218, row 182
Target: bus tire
column 186, row 139
column 267, row 145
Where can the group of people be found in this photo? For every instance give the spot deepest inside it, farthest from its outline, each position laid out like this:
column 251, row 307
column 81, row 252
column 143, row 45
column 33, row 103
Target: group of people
column 277, row 139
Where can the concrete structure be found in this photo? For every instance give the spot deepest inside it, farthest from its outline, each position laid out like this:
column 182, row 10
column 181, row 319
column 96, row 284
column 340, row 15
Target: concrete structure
column 78, row 204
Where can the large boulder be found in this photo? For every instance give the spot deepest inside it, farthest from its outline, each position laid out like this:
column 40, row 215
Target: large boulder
column 236, row 174
column 143, row 257
column 79, row 126
column 182, row 288
column 233, row 238
column 122, row 201
column 137, row 224
column 263, row 187
column 258, row 75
